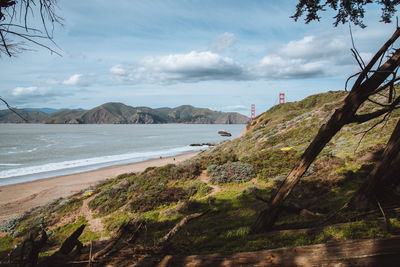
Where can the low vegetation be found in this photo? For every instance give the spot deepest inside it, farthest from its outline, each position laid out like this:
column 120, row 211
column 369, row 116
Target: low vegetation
column 242, row 175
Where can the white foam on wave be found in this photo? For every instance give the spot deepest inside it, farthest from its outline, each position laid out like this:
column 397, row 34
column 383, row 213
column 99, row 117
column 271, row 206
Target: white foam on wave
column 10, row 164
column 108, row 160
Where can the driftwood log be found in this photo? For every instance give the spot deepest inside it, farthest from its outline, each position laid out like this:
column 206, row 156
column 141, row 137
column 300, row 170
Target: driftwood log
column 370, row 252
column 72, row 241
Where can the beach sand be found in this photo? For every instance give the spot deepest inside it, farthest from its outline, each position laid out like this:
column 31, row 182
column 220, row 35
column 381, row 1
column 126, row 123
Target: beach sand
column 18, row 198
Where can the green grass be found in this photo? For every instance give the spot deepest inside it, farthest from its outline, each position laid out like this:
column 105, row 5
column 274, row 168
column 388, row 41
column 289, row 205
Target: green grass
column 162, row 196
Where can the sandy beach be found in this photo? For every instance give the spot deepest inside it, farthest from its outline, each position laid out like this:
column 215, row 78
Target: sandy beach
column 18, row 198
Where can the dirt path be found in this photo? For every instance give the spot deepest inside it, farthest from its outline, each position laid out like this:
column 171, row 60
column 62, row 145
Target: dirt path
column 95, row 224
column 206, row 179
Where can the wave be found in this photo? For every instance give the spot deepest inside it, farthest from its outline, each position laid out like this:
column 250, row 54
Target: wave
column 9, row 164
column 95, row 161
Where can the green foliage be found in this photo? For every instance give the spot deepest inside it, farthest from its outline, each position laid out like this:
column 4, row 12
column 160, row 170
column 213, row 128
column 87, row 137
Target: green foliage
column 231, row 172
column 112, row 223
column 109, row 200
column 197, row 189
column 68, row 206
column 59, row 234
column 218, row 157
column 188, row 169
column 6, row 243
column 33, row 224
column 151, row 199
column 268, row 163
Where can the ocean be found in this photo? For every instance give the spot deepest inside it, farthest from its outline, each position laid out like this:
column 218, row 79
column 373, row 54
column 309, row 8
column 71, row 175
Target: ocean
column 34, row 151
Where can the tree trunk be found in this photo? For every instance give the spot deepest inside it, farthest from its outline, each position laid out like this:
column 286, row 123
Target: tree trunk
column 342, row 116
column 389, row 163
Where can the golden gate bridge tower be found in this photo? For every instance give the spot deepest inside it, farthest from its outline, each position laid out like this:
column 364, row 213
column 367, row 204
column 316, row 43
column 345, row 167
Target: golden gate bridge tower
column 253, row 112
column 281, row 98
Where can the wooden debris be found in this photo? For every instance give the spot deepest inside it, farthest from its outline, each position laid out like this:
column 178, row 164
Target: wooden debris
column 177, row 228
column 124, row 235
column 370, row 252
column 72, row 241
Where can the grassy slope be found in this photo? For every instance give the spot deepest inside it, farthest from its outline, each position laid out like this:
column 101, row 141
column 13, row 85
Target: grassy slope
column 271, row 144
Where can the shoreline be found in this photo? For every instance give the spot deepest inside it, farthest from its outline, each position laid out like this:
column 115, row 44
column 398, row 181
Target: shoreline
column 18, row 198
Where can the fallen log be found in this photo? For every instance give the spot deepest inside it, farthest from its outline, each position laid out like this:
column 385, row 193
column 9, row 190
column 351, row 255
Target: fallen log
column 163, row 241
column 72, row 241
column 370, row 252
column 123, row 236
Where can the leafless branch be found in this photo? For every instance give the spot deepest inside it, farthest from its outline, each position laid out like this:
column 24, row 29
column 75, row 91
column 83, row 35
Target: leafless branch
column 354, row 50
column 370, row 129
column 15, row 17
column 10, row 108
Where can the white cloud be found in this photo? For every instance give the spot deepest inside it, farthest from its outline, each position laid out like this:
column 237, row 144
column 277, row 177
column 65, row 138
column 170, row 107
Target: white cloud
column 313, row 47
column 78, row 80
column 277, row 67
column 190, row 67
column 31, row 91
column 235, row 108
column 309, row 57
column 222, row 42
column 118, row 70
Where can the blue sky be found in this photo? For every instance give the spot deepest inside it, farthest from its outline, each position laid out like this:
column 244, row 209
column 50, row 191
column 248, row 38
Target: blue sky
column 223, row 55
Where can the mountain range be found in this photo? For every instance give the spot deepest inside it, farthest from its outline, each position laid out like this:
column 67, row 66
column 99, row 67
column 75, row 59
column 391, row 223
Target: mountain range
column 119, row 113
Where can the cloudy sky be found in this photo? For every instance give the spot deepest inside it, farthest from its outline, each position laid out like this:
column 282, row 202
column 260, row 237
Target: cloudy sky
column 224, row 55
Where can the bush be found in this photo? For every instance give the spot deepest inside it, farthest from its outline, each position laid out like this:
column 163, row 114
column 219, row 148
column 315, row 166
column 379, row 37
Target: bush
column 109, row 200
column 198, row 188
column 188, row 169
column 231, row 172
column 151, row 199
column 269, row 163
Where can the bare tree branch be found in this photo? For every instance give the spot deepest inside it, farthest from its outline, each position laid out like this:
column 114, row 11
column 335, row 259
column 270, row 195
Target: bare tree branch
column 10, row 108
column 15, row 17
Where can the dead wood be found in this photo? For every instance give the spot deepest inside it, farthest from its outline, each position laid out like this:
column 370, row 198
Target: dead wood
column 369, row 252
column 72, row 241
column 124, row 235
column 387, row 220
column 163, row 241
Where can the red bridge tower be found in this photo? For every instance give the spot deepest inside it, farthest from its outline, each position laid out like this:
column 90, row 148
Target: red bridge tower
column 253, row 112
column 281, row 98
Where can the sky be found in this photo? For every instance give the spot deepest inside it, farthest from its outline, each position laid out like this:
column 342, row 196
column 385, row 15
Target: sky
column 224, row 55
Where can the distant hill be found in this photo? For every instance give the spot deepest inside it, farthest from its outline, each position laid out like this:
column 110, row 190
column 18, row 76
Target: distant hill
column 44, row 110
column 119, row 113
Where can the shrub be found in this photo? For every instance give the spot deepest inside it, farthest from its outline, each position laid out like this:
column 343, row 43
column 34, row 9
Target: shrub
column 217, row 157
column 151, row 199
column 197, row 188
column 188, row 169
column 268, row 163
column 109, row 200
column 236, row 172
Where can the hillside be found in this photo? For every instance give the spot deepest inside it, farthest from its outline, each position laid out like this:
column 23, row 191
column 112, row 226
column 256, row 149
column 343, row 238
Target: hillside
column 212, row 200
column 118, row 113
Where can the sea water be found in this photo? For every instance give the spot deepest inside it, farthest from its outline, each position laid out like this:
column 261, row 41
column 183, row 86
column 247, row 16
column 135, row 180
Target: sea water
column 35, row 151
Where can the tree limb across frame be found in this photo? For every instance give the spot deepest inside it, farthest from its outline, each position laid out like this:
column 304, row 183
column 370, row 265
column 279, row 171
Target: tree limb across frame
column 15, row 30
